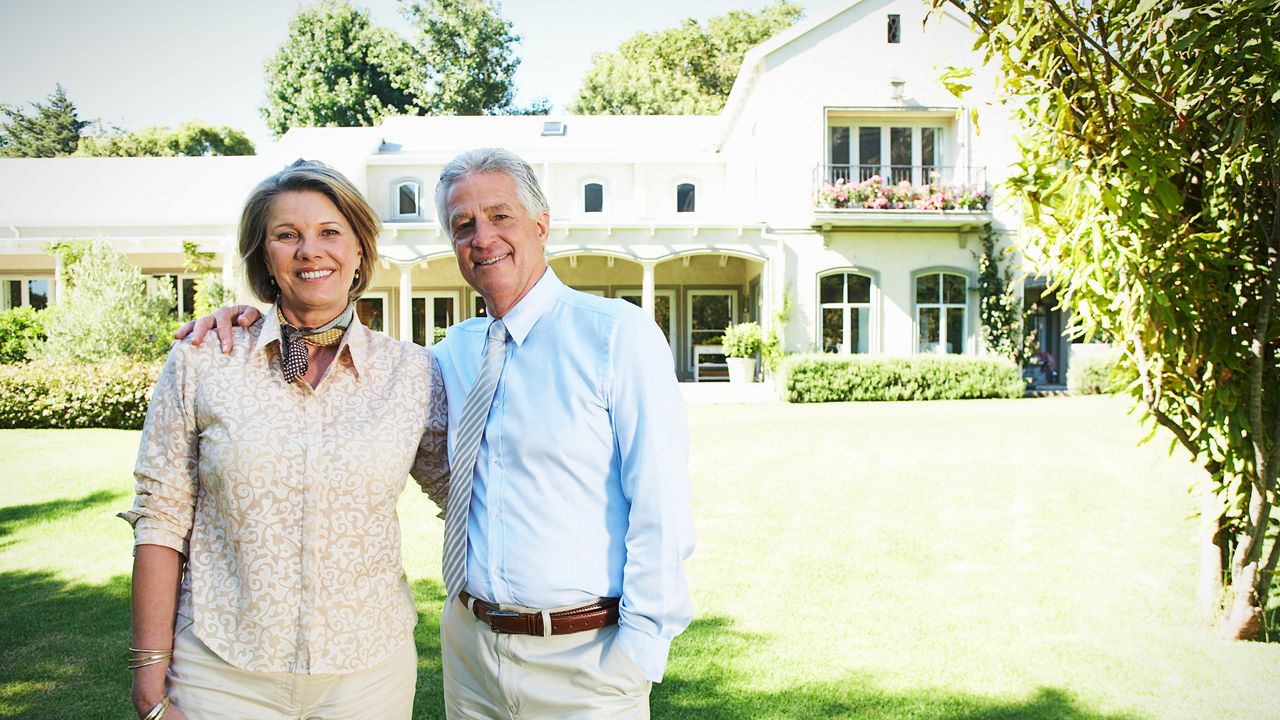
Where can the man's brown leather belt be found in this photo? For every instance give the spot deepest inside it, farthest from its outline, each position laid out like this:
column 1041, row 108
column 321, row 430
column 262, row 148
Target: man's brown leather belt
column 566, row 622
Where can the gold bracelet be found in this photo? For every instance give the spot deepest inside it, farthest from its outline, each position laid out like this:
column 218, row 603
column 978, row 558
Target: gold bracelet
column 159, row 710
column 135, row 664
column 143, row 658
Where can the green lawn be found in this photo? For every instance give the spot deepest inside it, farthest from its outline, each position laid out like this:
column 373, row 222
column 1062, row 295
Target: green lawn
column 974, row 560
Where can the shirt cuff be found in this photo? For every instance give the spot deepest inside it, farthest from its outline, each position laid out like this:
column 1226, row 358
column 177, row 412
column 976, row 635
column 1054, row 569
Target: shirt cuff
column 647, row 652
column 147, row 531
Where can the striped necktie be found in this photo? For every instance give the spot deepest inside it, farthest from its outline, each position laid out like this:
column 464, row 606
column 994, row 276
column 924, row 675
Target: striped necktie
column 465, row 448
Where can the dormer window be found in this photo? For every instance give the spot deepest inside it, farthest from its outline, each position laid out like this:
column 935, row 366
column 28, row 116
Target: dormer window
column 895, row 29
column 593, row 198
column 408, row 199
column 686, row 199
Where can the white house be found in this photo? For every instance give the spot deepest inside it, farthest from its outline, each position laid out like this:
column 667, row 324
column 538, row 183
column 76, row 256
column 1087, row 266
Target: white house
column 702, row 220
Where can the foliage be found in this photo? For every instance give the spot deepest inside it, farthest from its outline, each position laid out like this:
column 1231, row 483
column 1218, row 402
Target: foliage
column 771, row 351
column 1096, row 375
column 211, row 292
column 50, row 129
column 1151, row 186
column 842, row 378
column 1004, row 326
column 875, row 194
column 686, row 70
column 111, row 394
column 339, row 69
column 106, row 311
column 438, row 333
column 22, row 333
column 466, row 50
column 742, row 340
column 190, row 139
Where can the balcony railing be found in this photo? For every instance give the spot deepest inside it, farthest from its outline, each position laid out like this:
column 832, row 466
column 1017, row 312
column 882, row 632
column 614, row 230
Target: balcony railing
column 900, row 187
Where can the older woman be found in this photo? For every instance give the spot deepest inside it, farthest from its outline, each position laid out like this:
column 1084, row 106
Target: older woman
column 267, row 578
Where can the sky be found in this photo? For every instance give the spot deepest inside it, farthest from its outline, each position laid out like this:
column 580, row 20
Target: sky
column 138, row 63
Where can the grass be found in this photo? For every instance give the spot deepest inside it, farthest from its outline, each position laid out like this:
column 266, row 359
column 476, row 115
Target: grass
column 974, row 560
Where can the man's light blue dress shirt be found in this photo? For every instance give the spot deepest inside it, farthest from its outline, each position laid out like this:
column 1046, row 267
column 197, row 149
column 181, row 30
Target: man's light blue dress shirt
column 581, row 488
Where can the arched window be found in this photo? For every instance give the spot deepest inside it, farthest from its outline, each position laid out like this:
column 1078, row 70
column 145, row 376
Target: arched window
column 593, row 198
column 685, row 197
column 845, row 302
column 408, row 195
column 942, row 309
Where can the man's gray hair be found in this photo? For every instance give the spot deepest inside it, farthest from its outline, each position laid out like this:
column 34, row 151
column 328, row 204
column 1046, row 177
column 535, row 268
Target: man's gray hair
column 490, row 160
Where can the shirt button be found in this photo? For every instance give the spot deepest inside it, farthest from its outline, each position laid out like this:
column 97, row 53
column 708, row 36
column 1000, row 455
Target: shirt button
column 493, row 513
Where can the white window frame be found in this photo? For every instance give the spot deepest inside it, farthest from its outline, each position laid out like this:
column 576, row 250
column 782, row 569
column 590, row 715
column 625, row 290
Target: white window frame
column 24, row 286
column 395, row 199
column 179, row 279
column 676, row 192
column 604, row 198
column 689, row 295
column 847, row 308
column 427, row 297
column 942, row 306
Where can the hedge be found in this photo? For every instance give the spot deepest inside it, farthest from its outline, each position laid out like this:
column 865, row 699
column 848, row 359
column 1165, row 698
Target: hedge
column 111, row 394
column 1097, row 375
column 842, row 378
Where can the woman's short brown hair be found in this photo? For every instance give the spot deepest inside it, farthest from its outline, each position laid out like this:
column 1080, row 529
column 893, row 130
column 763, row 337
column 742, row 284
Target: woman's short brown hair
column 314, row 176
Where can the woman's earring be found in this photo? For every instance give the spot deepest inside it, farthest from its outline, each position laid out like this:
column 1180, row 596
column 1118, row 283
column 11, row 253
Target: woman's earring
column 356, row 280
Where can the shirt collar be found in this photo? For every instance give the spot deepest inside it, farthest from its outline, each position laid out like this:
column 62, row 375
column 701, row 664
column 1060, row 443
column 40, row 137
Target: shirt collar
column 355, row 341
column 521, row 318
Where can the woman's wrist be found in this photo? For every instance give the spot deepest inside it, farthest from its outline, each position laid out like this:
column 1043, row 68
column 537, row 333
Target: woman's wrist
column 148, row 689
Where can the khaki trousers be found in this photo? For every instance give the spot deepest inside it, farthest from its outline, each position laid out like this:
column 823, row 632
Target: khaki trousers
column 206, row 687
column 521, row 677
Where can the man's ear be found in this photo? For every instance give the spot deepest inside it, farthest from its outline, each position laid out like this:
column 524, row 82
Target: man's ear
column 543, row 222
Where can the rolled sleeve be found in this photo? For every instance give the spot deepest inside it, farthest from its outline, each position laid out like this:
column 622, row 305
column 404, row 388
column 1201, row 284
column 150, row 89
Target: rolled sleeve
column 166, row 468
column 431, row 464
column 651, row 431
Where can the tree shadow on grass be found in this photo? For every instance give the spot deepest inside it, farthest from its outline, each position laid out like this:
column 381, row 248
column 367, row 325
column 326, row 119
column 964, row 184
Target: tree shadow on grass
column 710, row 669
column 62, row 647
column 15, row 517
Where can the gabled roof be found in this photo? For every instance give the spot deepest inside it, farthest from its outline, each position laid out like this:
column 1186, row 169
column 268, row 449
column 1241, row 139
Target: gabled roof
column 111, row 192
column 754, row 59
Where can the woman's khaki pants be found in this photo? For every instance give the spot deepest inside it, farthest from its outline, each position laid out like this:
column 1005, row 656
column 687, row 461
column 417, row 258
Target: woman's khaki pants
column 206, row 687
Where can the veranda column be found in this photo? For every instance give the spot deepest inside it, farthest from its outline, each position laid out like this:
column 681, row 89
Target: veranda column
column 646, row 290
column 57, row 278
column 406, row 303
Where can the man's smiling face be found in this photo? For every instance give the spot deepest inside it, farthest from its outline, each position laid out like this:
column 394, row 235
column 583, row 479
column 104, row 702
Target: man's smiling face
column 499, row 246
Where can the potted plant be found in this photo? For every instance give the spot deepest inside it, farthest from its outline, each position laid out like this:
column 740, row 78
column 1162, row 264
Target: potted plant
column 742, row 343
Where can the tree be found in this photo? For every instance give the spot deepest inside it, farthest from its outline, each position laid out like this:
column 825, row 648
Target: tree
column 106, row 310
column 51, row 129
column 1151, row 188
column 338, row 69
column 191, row 139
column 467, row 54
column 686, row 70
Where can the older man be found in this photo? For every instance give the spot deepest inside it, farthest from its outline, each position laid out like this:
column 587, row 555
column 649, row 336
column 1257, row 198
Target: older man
column 569, row 514
column 568, row 585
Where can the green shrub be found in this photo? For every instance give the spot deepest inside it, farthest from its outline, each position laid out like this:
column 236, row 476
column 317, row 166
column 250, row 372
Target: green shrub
column 842, row 378
column 107, row 312
column 742, row 340
column 111, row 394
column 21, row 334
column 1096, row 375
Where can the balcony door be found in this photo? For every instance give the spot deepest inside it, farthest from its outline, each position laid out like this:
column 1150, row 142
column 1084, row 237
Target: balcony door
column 895, row 153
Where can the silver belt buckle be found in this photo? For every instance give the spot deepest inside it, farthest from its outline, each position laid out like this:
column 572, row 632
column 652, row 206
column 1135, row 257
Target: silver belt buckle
column 500, row 614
